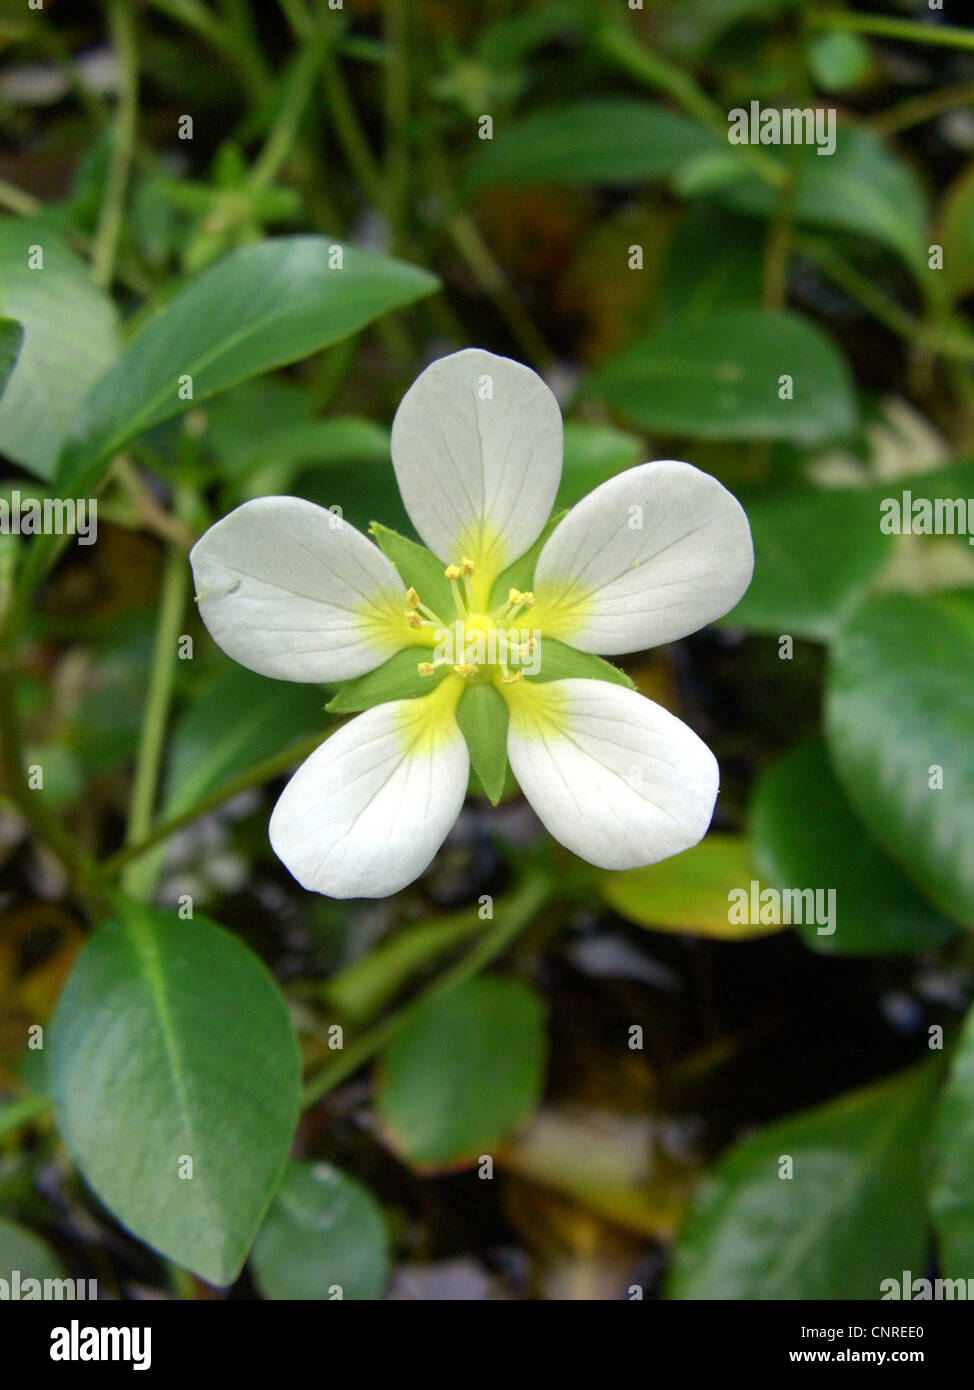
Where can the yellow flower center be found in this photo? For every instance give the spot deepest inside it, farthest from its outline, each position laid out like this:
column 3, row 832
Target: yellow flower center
column 478, row 646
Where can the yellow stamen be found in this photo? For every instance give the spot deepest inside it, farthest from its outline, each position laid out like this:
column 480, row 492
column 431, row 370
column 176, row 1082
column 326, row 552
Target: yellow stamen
column 426, row 668
column 466, row 669
column 412, row 598
column 413, row 619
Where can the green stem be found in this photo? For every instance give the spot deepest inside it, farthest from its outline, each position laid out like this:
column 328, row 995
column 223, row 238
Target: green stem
column 139, row 879
column 361, row 990
column 351, row 137
column 907, row 29
column 255, row 776
column 916, row 110
column 638, row 62
column 221, row 37
column 512, row 915
column 30, row 801
column 468, row 240
column 121, row 21
column 946, row 342
column 280, row 140
column 396, row 23
column 16, row 200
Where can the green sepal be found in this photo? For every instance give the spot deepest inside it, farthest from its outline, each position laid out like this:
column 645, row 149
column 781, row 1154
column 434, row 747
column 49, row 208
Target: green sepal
column 520, row 575
column 418, row 568
column 396, row 679
column 560, row 662
column 482, row 716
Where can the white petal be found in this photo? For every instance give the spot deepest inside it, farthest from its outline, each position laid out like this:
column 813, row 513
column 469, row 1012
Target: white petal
column 365, row 814
column 618, row 780
column 478, row 476
column 654, row 553
column 289, row 593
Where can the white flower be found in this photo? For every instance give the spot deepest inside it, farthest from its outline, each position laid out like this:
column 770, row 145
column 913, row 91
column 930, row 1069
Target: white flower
column 650, row 556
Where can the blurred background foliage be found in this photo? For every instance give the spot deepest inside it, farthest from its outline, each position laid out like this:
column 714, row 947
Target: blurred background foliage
column 632, row 1063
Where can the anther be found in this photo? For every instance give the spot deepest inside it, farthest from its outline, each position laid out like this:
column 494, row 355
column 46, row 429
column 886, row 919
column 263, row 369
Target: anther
column 412, row 598
column 425, row 668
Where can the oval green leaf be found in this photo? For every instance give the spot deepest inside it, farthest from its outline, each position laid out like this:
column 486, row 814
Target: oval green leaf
column 718, row 377
column 688, row 893
column 805, row 834
column 171, row 1046
column 23, row 1256
column 70, row 337
column 324, row 1237
column 899, row 722
column 260, row 307
column 802, row 586
column 952, row 1168
column 851, row 1215
column 615, row 140
column 463, row 1074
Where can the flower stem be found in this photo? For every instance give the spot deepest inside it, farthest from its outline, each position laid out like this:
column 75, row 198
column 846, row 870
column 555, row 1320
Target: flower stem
column 261, row 772
column 396, row 25
column 907, row 29
column 139, row 879
column 360, row 990
column 635, row 59
column 513, row 915
column 105, row 249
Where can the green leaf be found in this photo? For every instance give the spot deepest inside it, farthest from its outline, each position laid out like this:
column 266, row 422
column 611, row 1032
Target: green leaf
column 171, row 1043
column 263, row 434
column 863, row 189
column 463, row 1073
column 613, row 141
column 560, row 662
column 805, row 834
column 242, row 719
column 258, row 308
column 851, row 1216
column 70, row 336
column 27, row 1253
column 955, row 233
column 815, row 552
column 898, row 706
column 418, row 568
column 718, row 378
column 324, row 1232
column 482, row 716
column 396, row 679
column 593, row 453
column 714, row 261
column 837, row 60
column 688, row 893
column 951, row 1187
column 11, row 337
